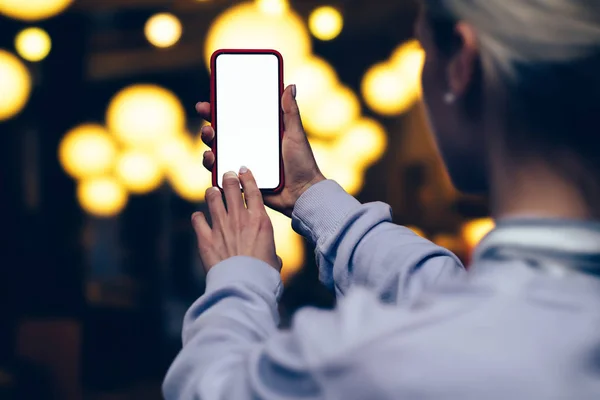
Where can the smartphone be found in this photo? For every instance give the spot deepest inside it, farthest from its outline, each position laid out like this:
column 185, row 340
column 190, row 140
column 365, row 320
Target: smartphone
column 246, row 90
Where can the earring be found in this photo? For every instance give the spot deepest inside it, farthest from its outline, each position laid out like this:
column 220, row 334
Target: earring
column 449, row 98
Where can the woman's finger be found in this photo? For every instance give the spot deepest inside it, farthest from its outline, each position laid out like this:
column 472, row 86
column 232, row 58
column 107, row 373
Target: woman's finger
column 208, row 160
column 216, row 207
column 254, row 199
column 203, row 108
column 204, row 238
column 233, row 194
column 208, row 135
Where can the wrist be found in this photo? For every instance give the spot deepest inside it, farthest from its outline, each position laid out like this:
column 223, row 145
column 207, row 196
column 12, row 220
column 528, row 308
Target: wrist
column 296, row 194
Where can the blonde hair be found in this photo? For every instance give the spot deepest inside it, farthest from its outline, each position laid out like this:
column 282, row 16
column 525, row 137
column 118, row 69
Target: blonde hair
column 527, row 31
column 540, row 63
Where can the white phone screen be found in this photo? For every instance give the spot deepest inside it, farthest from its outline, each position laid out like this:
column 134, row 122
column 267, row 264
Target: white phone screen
column 247, row 116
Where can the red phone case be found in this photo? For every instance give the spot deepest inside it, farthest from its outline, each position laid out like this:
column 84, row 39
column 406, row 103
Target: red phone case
column 213, row 108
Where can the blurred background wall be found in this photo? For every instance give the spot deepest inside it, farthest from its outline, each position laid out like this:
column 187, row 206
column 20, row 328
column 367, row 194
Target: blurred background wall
column 101, row 168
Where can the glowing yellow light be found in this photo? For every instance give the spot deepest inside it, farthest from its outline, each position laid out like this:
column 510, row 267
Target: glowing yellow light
column 190, row 180
column 325, row 23
column 417, row 231
column 473, row 231
column 323, row 153
column 362, row 144
column 386, row 91
column 273, row 7
column 102, row 197
column 138, row 171
column 245, row 26
column 87, row 151
column 408, row 60
column 453, row 243
column 351, row 179
column 15, row 84
column 313, row 79
column 332, row 113
column 145, row 115
column 173, row 152
column 163, row 30
column 289, row 245
column 33, row 10
column 33, row 44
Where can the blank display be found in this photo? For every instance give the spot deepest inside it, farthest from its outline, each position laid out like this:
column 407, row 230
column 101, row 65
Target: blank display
column 248, row 116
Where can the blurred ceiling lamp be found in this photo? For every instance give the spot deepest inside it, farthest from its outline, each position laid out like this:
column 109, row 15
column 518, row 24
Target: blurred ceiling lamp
column 33, row 44
column 273, row 7
column 138, row 172
column 102, row 197
column 362, row 144
column 408, row 60
column 289, row 245
column 386, row 91
column 475, row 230
column 325, row 23
column 33, row 10
column 190, row 180
column 351, row 179
column 145, row 115
column 176, row 150
column 417, row 231
column 322, row 151
column 245, row 26
column 15, row 82
column 334, row 112
column 313, row 78
column 163, row 30
column 87, row 151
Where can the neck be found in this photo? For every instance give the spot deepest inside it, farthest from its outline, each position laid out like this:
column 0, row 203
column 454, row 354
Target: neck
column 536, row 190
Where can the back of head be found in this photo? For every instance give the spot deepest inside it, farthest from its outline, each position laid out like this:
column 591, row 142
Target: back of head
column 540, row 64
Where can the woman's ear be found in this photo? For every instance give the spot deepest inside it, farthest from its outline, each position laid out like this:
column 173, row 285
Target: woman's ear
column 463, row 64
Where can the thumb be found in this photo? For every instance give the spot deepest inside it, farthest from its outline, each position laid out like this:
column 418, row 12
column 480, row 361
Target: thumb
column 291, row 113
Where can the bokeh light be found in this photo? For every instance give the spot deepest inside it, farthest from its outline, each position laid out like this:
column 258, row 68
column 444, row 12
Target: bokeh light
column 245, row 26
column 87, row 151
column 102, row 196
column 313, row 79
column 163, row 30
column 145, row 115
column 174, row 151
column 350, row 178
column 289, row 245
column 386, row 91
column 475, row 230
column 335, row 111
column 33, row 10
column 15, row 82
column 417, row 231
column 33, row 44
column 273, row 7
column 325, row 23
column 408, row 60
column 138, row 171
column 190, row 180
column 363, row 143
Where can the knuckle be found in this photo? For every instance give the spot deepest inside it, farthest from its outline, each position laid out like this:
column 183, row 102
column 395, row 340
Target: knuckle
column 212, row 194
column 231, row 182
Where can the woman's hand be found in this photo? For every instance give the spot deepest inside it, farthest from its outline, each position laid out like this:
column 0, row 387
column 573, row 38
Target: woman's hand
column 241, row 230
column 300, row 167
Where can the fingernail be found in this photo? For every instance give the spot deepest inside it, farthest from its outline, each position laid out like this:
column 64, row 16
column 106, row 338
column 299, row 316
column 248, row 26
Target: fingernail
column 294, row 91
column 196, row 214
column 243, row 170
column 230, row 174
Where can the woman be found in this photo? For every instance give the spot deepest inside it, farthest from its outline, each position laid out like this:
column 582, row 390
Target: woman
column 512, row 89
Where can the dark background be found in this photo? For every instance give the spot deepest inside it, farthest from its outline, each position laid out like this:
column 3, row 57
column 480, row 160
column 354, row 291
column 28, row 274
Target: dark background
column 58, row 335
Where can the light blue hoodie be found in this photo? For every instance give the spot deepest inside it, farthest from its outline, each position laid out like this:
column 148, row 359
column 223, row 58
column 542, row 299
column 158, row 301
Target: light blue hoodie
column 524, row 323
